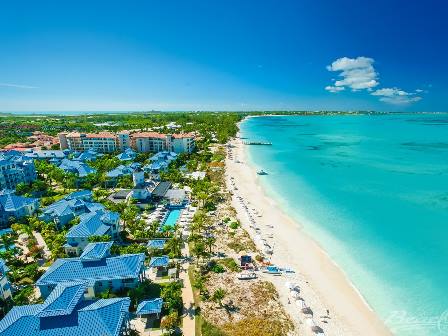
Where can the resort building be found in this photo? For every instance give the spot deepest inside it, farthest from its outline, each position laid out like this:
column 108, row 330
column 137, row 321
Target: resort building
column 79, row 168
column 158, row 142
column 104, row 142
column 5, row 286
column 182, row 143
column 75, row 204
column 99, row 223
column 13, row 206
column 67, row 312
column 36, row 141
column 97, row 268
column 176, row 197
column 15, row 168
column 40, row 139
column 124, row 140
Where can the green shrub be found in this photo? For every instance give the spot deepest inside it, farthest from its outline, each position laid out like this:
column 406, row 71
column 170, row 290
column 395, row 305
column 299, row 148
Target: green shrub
column 230, row 264
column 217, row 268
column 209, row 329
column 234, row 225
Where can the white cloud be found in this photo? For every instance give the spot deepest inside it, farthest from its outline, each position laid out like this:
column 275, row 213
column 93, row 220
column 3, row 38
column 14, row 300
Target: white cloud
column 397, row 96
column 18, row 86
column 334, row 89
column 357, row 73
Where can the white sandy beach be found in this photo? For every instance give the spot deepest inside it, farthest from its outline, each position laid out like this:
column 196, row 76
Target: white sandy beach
column 322, row 283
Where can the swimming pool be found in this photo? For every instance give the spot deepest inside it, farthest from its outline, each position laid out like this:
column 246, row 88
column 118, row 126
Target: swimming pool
column 172, row 217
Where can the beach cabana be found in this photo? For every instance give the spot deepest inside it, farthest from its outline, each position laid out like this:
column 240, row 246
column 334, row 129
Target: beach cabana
column 148, row 307
column 157, row 244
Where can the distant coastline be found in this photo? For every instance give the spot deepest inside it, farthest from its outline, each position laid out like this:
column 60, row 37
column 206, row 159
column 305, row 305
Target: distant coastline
column 33, row 114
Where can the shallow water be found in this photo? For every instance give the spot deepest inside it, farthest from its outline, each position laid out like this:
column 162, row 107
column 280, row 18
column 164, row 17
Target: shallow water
column 373, row 191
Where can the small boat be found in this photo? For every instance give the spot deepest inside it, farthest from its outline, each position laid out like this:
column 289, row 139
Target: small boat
column 261, row 172
column 246, row 276
column 272, row 270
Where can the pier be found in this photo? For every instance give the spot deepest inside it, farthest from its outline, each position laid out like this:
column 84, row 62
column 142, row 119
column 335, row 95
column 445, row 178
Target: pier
column 257, row 143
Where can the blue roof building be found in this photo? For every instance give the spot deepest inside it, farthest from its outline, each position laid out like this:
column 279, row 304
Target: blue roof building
column 97, row 268
column 147, row 307
column 64, row 210
column 127, row 155
column 119, row 172
column 15, row 168
column 96, row 251
column 157, row 262
column 66, row 312
column 5, row 286
column 13, row 206
column 99, row 223
column 53, row 156
column 85, row 195
column 157, row 244
column 135, row 165
column 88, row 155
column 77, row 167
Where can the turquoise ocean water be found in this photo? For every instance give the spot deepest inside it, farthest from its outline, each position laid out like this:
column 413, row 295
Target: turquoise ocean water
column 373, row 191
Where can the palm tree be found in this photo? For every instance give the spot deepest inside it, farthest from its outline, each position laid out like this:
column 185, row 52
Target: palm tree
column 174, row 245
column 202, row 196
column 210, row 241
column 7, row 241
column 218, row 296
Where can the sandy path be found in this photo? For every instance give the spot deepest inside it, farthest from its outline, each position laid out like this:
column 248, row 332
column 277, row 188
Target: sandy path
column 188, row 321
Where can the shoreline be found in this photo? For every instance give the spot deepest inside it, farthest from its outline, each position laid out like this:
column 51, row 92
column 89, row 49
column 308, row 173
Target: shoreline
column 323, row 284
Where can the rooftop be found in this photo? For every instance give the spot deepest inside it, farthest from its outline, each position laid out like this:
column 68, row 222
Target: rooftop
column 162, row 261
column 161, row 189
column 12, row 202
column 93, row 224
column 96, row 251
column 65, row 312
column 153, row 306
column 156, row 243
column 125, row 266
column 77, row 167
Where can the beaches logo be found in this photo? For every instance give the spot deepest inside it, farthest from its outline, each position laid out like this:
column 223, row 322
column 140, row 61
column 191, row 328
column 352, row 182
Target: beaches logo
column 401, row 321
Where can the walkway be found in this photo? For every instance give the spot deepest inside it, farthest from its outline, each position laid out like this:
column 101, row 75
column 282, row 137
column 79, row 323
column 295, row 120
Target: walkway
column 188, row 320
column 41, row 243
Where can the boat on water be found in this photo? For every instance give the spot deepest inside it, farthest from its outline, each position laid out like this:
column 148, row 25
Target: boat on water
column 261, row 172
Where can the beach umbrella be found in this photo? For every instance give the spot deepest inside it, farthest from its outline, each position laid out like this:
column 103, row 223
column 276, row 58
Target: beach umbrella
column 310, row 322
column 294, row 294
column 301, row 304
column 316, row 329
column 307, row 311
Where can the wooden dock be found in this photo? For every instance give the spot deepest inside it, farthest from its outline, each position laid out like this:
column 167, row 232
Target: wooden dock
column 257, row 143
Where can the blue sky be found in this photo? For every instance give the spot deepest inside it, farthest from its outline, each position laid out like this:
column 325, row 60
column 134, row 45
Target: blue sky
column 223, row 55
